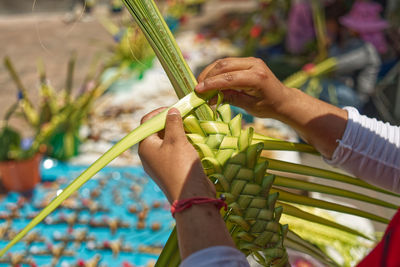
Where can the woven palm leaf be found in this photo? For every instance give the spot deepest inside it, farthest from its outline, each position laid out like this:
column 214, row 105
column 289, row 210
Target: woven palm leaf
column 233, row 163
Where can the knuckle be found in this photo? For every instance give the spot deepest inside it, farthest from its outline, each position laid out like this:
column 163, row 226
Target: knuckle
column 208, row 82
column 259, row 61
column 254, row 60
column 202, row 76
column 221, row 63
column 173, row 118
column 144, row 118
column 261, row 74
column 228, row 76
column 171, row 141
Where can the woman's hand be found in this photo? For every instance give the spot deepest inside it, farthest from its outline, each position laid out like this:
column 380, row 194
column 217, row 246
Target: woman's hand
column 247, row 83
column 174, row 165
column 172, row 162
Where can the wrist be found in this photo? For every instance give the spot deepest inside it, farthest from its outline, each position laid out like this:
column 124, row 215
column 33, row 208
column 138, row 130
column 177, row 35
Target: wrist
column 197, row 189
column 194, row 186
column 204, row 210
column 284, row 102
column 185, row 204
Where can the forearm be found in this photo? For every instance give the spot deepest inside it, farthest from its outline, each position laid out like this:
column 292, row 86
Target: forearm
column 365, row 147
column 318, row 123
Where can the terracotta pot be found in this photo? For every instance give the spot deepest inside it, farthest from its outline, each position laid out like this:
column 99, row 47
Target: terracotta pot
column 20, row 176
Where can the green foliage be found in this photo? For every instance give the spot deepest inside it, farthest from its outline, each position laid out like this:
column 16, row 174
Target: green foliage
column 131, row 47
column 57, row 120
column 10, row 141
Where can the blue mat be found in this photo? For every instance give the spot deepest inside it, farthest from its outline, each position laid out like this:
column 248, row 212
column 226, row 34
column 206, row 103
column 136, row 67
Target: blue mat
column 116, row 182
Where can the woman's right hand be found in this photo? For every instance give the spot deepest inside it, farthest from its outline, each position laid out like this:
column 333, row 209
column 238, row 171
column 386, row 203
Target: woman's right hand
column 247, row 83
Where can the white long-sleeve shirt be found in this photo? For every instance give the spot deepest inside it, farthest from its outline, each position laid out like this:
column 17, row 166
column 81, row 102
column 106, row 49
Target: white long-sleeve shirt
column 369, row 149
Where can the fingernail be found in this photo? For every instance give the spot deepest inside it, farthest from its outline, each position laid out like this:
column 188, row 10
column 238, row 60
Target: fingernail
column 200, row 86
column 174, row 112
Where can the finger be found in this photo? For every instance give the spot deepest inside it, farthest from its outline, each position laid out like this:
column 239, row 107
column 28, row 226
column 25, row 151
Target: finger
column 149, row 145
column 153, row 140
column 149, row 148
column 237, row 80
column 174, row 131
column 204, row 73
column 151, row 114
column 231, row 64
column 239, row 99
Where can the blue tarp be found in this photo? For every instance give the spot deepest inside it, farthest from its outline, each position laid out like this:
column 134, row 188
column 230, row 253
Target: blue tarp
column 118, row 180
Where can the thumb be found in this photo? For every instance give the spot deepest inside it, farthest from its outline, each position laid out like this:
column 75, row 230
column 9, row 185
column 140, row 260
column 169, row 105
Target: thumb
column 174, row 131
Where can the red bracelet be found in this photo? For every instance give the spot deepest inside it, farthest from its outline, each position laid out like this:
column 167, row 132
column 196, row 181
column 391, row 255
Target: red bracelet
column 178, row 206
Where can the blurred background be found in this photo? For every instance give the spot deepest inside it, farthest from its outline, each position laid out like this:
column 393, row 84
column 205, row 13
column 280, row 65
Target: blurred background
column 89, row 58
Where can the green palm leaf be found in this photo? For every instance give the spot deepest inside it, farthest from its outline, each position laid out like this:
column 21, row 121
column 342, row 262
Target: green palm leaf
column 299, row 213
column 312, row 202
column 295, row 242
column 279, row 165
column 314, row 187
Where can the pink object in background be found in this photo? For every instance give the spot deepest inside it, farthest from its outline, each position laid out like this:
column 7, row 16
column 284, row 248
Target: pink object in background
column 364, row 18
column 300, row 27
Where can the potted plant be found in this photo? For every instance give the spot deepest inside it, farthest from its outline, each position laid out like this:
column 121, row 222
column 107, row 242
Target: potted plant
column 55, row 125
column 19, row 164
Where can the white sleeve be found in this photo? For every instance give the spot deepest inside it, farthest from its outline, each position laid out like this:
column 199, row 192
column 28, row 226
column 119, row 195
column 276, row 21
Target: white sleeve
column 370, row 150
column 218, row 256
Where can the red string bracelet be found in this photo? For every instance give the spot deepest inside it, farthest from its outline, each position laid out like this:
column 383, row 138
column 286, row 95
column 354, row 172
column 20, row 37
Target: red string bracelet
column 181, row 205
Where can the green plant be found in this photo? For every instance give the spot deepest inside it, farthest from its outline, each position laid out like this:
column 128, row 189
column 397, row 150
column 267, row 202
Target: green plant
column 59, row 116
column 10, row 139
column 131, row 48
column 299, row 78
column 11, row 147
column 320, row 29
column 244, row 148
